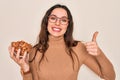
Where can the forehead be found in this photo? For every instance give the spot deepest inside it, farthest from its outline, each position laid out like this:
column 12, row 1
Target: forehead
column 59, row 12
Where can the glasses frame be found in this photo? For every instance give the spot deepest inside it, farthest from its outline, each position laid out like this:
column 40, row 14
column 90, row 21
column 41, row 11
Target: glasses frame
column 57, row 18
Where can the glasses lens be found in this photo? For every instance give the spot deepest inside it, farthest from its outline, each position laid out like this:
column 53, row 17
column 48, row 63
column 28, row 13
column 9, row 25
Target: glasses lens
column 52, row 19
column 62, row 20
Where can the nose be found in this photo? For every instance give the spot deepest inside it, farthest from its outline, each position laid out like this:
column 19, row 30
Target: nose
column 57, row 22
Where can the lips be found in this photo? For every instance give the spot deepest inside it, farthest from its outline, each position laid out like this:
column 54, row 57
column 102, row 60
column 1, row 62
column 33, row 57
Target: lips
column 56, row 29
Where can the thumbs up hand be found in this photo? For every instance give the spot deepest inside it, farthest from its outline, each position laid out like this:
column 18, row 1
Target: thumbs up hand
column 92, row 46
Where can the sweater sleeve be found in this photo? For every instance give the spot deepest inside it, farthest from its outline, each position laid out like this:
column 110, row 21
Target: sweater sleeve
column 27, row 76
column 100, row 65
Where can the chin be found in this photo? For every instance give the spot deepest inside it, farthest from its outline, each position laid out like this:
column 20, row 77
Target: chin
column 56, row 35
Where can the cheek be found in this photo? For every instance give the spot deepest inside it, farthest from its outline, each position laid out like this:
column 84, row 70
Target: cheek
column 65, row 28
column 48, row 27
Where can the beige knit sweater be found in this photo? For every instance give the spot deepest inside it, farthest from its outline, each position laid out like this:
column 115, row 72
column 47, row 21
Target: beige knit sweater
column 58, row 65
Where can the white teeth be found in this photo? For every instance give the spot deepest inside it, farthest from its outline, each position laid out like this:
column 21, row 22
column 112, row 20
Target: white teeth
column 56, row 29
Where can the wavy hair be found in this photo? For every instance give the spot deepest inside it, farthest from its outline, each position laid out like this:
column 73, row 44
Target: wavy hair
column 42, row 44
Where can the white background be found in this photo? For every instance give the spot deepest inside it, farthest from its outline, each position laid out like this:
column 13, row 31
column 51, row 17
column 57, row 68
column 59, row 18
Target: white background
column 20, row 20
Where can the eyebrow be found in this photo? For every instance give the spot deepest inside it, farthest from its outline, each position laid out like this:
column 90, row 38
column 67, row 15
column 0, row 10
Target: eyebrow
column 59, row 17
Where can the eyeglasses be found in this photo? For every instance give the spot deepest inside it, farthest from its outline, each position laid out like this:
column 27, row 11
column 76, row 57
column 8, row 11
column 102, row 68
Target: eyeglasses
column 63, row 20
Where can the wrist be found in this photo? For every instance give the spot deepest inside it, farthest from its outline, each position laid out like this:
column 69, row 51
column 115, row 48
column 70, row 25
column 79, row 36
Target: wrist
column 99, row 52
column 24, row 72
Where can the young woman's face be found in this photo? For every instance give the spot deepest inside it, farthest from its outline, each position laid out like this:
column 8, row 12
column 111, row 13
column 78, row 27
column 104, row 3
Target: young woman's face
column 58, row 22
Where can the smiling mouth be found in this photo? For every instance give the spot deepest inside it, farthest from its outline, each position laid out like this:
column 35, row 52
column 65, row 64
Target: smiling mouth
column 56, row 29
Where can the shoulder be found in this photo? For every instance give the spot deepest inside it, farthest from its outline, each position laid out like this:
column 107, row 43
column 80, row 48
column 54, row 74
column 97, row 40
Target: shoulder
column 80, row 50
column 33, row 53
column 79, row 45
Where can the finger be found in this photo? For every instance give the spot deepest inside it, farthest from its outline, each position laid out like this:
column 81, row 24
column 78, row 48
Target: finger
column 94, row 36
column 93, row 53
column 90, row 43
column 91, row 47
column 11, row 51
column 25, row 55
column 18, row 54
column 92, row 50
column 27, row 58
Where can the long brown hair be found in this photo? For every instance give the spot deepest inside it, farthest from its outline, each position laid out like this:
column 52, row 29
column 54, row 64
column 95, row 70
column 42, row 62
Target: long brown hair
column 42, row 44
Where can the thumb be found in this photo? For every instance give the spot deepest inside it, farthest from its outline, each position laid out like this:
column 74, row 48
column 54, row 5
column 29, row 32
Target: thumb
column 95, row 36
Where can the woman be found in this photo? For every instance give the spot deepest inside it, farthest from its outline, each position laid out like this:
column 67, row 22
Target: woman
column 57, row 56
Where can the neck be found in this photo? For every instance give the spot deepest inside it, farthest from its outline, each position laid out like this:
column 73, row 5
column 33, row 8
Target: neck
column 56, row 39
